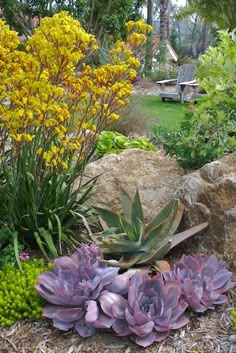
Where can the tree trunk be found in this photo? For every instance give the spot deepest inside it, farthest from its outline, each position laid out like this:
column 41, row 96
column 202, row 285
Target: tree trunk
column 164, row 20
column 148, row 54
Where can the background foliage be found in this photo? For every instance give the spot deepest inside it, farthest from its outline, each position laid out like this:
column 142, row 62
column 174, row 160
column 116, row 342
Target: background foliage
column 208, row 131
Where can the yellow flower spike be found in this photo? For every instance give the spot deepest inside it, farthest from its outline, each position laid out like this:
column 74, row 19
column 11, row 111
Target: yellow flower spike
column 130, row 25
column 39, row 151
column 27, row 137
column 55, row 149
column 54, row 162
column 84, row 126
column 64, row 165
column 114, row 116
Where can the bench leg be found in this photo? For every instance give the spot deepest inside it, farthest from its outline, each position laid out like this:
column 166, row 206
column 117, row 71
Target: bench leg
column 182, row 94
column 163, row 99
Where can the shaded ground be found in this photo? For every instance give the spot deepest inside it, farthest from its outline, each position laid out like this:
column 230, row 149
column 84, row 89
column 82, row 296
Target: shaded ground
column 207, row 333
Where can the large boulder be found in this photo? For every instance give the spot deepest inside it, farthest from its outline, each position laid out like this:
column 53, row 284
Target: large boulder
column 209, row 195
column 155, row 175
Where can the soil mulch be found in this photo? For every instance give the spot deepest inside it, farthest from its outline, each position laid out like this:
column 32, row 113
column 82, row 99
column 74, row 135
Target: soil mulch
column 207, row 333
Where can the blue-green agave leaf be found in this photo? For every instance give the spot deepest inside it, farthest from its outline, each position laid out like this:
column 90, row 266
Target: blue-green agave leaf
column 127, row 205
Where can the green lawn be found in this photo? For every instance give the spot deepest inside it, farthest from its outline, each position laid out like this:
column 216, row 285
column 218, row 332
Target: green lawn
column 143, row 112
column 156, row 112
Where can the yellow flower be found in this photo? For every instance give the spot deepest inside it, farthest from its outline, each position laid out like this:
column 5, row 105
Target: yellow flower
column 27, row 137
column 39, row 151
column 130, row 25
column 114, row 117
column 55, row 149
column 64, row 165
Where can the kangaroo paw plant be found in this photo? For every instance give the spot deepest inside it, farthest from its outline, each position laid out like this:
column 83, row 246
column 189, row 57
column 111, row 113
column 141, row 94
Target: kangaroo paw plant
column 138, row 243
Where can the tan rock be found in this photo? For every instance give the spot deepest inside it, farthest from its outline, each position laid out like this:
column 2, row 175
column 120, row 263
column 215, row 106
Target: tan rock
column 155, row 175
column 210, row 195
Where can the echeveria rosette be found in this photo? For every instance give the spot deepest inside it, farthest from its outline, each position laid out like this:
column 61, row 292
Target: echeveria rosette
column 149, row 313
column 73, row 286
column 203, row 281
column 111, row 303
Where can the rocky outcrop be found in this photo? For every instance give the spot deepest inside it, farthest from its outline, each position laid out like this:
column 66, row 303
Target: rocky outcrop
column 156, row 176
column 210, row 195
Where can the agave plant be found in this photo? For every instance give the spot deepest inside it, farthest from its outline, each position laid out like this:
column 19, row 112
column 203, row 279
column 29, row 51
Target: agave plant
column 153, row 309
column 72, row 288
column 203, row 280
column 134, row 241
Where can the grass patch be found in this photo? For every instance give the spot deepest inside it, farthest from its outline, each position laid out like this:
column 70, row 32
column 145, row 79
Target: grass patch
column 168, row 114
column 145, row 111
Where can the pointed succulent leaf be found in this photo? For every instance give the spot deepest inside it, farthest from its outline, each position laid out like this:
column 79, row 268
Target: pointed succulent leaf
column 103, row 224
column 113, row 231
column 178, row 216
column 171, row 224
column 125, row 262
column 127, row 205
column 161, row 230
column 162, row 216
column 155, row 254
column 178, row 238
column 112, row 219
column 119, row 246
column 136, row 212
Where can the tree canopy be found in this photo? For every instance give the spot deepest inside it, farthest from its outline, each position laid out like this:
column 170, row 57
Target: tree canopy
column 102, row 17
column 221, row 12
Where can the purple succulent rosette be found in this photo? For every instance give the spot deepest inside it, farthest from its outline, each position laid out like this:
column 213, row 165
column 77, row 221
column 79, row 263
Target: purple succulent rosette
column 73, row 286
column 151, row 311
column 203, row 281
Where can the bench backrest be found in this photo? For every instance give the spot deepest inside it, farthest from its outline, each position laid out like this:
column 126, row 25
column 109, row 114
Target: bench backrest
column 186, row 73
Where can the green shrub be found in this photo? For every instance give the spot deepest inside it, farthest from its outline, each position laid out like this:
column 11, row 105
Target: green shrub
column 18, row 297
column 163, row 71
column 205, row 135
column 114, row 142
column 208, row 130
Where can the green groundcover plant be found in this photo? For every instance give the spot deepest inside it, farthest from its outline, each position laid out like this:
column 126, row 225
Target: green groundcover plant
column 208, row 130
column 53, row 104
column 18, row 297
column 114, row 142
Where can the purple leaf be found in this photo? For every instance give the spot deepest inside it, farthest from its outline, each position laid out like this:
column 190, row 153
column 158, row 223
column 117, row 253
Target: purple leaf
column 107, row 299
column 84, row 329
column 92, row 312
column 145, row 341
column 121, row 328
column 103, row 322
column 143, row 330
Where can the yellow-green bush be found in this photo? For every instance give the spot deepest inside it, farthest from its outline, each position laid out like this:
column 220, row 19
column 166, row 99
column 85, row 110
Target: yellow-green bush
column 18, row 297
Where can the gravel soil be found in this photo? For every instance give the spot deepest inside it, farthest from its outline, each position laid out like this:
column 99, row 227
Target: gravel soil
column 207, row 333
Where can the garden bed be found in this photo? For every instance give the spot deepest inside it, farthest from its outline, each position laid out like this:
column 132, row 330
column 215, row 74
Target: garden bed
column 207, row 333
